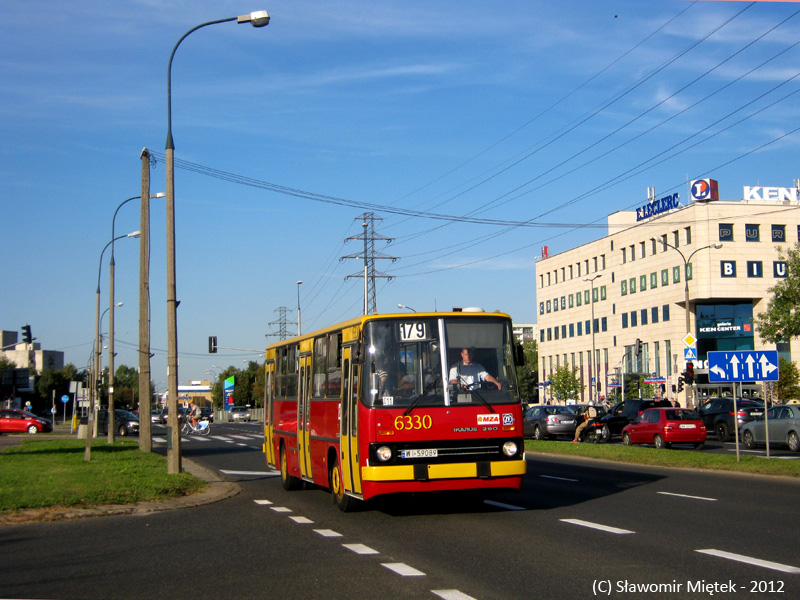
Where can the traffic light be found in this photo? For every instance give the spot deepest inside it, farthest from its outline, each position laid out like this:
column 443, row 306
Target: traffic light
column 212, row 344
column 26, row 334
column 680, row 384
column 637, row 347
column 689, row 373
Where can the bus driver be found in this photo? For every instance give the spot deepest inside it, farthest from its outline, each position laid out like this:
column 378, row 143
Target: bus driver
column 468, row 375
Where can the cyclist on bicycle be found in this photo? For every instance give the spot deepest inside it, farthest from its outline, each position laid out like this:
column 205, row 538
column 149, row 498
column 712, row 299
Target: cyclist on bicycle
column 194, row 413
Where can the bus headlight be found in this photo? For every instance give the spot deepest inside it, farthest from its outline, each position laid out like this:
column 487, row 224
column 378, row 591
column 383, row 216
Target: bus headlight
column 383, row 453
column 510, row 448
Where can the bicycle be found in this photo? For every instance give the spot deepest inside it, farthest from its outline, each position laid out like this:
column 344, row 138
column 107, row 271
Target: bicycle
column 203, row 428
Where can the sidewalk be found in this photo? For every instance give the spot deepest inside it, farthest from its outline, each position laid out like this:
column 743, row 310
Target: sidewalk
column 218, row 489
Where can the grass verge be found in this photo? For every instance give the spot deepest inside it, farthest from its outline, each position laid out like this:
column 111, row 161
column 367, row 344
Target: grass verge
column 685, row 459
column 46, row 473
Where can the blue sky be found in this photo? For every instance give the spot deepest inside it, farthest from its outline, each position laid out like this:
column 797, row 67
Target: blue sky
column 543, row 116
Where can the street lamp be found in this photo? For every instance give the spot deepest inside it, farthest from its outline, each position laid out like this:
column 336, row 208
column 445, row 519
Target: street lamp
column 404, row 306
column 715, row 246
column 96, row 361
column 257, row 19
column 593, row 362
column 111, row 269
column 299, row 330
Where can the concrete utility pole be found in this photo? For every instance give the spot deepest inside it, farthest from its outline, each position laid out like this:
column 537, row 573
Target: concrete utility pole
column 145, row 439
column 369, row 257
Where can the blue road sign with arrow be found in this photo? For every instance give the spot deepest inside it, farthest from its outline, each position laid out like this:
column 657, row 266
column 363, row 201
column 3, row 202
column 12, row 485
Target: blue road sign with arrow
column 749, row 365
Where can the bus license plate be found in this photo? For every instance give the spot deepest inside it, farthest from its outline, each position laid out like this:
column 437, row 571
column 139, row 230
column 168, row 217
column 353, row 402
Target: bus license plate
column 421, row 453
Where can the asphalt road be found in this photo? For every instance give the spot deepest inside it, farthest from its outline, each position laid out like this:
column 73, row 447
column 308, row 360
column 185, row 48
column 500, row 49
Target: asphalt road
column 579, row 529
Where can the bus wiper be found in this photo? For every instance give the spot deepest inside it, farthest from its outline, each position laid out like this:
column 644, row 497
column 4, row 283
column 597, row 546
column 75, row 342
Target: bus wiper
column 482, row 399
column 420, row 397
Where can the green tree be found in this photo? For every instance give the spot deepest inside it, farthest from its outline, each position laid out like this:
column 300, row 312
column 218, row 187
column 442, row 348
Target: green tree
column 788, row 386
column 528, row 374
column 6, row 363
column 780, row 322
column 126, row 387
column 566, row 385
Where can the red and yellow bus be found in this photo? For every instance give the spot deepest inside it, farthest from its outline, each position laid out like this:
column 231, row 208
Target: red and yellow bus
column 393, row 403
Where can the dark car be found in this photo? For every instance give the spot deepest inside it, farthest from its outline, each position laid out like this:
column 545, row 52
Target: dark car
column 717, row 414
column 182, row 412
column 545, row 421
column 207, row 414
column 624, row 413
column 125, row 423
column 14, row 420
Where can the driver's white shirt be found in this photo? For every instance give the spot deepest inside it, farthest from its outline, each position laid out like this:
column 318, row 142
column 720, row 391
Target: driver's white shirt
column 468, row 375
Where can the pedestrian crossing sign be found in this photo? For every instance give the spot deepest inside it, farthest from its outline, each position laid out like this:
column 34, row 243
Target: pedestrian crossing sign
column 689, row 354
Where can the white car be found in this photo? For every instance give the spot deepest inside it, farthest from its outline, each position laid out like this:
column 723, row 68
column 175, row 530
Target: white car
column 240, row 413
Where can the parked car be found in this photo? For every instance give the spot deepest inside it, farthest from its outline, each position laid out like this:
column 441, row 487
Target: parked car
column 155, row 416
column 239, row 413
column 207, row 414
column 664, row 427
column 125, row 423
column 717, row 414
column 623, row 413
column 784, row 428
column 549, row 421
column 14, row 420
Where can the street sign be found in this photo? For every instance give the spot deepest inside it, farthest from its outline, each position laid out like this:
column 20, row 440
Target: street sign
column 689, row 340
column 689, row 354
column 749, row 365
column 65, row 398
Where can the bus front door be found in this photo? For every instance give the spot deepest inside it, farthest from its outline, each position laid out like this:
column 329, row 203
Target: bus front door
column 351, row 470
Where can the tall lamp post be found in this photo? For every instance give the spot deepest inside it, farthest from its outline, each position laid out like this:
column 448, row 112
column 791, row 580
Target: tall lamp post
column 257, row 19
column 299, row 329
column 715, row 246
column 111, row 305
column 593, row 362
column 96, row 359
column 404, row 306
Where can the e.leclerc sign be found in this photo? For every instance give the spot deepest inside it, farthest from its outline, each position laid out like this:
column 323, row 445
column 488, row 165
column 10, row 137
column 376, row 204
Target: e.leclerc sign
column 656, row 207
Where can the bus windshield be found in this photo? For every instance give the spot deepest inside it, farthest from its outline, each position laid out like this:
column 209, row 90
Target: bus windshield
column 447, row 361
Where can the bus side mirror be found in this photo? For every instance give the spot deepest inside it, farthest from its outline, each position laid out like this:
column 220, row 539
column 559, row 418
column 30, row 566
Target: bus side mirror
column 519, row 355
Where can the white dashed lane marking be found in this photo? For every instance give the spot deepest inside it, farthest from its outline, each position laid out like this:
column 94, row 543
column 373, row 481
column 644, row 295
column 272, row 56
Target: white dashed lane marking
column 591, row 525
column 403, row 569
column 360, row 549
column 751, row 561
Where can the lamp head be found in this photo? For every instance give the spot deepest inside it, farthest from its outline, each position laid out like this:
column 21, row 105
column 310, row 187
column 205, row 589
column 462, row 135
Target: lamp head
column 717, row 245
column 260, row 18
column 134, row 234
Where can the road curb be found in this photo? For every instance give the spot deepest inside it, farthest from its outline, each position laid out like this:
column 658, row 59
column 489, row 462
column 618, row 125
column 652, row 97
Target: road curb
column 218, row 489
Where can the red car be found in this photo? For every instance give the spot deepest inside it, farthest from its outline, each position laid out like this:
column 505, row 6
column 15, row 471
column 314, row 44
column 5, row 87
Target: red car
column 13, row 420
column 666, row 426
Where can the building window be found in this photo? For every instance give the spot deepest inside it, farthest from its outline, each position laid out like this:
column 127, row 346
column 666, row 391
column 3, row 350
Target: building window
column 571, row 300
column 634, row 319
column 594, row 263
column 624, row 320
column 572, row 330
column 676, row 239
column 641, row 250
column 564, row 331
column 779, row 233
column 603, row 261
column 665, row 312
column 604, row 324
column 633, row 252
column 726, row 232
column 563, row 302
column 603, row 292
column 643, row 283
column 541, row 335
column 676, row 274
column 541, row 308
column 570, row 271
column 555, row 332
column 727, row 268
column 653, row 280
column 580, row 328
column 654, row 314
column 632, row 285
column 578, row 299
column 653, row 248
column 664, row 277
column 644, row 316
column 549, row 334
column 688, row 231
column 595, row 294
column 623, row 288
column 625, row 256
column 587, row 326
column 752, row 233
column 586, row 298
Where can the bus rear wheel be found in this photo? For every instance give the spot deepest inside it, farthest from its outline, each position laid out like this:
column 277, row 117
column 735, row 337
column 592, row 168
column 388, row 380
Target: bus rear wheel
column 288, row 482
column 338, row 497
